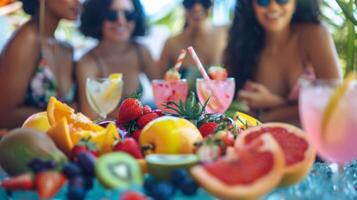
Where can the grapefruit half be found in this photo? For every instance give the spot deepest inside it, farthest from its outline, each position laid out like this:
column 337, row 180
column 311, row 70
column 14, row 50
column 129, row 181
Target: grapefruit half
column 299, row 154
column 246, row 172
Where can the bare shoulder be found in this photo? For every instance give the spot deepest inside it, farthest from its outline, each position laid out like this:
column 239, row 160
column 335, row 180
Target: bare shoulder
column 174, row 40
column 310, row 31
column 86, row 62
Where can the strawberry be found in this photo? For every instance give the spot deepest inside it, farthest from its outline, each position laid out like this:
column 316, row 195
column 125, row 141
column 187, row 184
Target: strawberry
column 132, row 195
column 217, row 73
column 130, row 146
column 207, row 128
column 21, row 182
column 49, row 183
column 76, row 150
column 136, row 134
column 130, row 109
column 146, row 109
column 159, row 112
column 145, row 119
column 228, row 139
column 84, row 146
column 209, row 152
column 172, row 75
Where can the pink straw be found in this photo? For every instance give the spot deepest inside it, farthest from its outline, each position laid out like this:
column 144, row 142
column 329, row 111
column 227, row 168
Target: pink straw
column 197, row 61
column 180, row 59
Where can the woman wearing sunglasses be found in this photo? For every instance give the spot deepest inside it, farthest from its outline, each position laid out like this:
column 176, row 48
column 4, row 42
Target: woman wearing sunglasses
column 34, row 65
column 209, row 41
column 115, row 24
column 273, row 43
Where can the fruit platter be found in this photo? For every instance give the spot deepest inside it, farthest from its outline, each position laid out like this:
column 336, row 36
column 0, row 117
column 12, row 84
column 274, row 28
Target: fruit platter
column 186, row 149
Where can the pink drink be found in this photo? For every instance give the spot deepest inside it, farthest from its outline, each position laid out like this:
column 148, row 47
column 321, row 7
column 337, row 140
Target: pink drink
column 338, row 143
column 220, row 93
column 165, row 91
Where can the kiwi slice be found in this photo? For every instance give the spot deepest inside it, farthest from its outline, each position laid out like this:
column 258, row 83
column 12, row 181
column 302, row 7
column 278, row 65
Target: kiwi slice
column 161, row 166
column 118, row 170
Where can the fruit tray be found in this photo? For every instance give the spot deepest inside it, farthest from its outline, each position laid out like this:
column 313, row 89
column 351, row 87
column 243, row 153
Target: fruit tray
column 318, row 184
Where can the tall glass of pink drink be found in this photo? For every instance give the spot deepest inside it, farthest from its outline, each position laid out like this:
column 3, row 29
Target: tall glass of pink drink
column 165, row 91
column 219, row 92
column 338, row 142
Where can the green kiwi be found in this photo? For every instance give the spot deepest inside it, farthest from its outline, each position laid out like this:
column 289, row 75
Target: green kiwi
column 118, row 170
column 161, row 165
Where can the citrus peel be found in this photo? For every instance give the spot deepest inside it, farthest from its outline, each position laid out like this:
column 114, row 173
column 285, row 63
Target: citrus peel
column 333, row 102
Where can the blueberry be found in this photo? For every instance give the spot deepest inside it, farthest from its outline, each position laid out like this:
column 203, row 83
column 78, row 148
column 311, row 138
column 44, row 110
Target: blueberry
column 76, row 193
column 71, row 169
column 149, row 184
column 88, row 182
column 188, row 187
column 87, row 162
column 37, row 165
column 77, row 181
column 178, row 175
column 163, row 191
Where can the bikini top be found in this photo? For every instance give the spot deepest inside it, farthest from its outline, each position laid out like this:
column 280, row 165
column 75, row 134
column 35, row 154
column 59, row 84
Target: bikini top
column 43, row 85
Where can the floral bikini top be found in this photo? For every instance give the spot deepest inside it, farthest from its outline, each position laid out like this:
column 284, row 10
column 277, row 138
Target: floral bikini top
column 43, row 85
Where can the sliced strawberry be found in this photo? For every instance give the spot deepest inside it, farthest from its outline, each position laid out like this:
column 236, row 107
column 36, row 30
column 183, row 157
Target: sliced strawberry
column 130, row 109
column 21, row 182
column 146, row 109
column 130, row 146
column 207, row 128
column 145, row 119
column 159, row 112
column 132, row 195
column 172, row 75
column 217, row 73
column 49, row 183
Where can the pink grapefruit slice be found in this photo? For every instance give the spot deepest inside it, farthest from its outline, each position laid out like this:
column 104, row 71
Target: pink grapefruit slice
column 299, row 154
column 246, row 173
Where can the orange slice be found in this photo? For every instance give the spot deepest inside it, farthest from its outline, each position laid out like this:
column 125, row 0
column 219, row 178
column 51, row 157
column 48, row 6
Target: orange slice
column 60, row 134
column 114, row 85
column 334, row 101
column 245, row 121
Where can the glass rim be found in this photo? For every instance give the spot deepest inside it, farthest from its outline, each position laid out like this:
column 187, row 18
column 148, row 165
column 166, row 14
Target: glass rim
column 228, row 78
column 164, row 81
column 323, row 82
column 100, row 79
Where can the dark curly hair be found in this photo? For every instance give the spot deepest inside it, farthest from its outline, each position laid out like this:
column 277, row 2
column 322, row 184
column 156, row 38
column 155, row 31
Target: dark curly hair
column 30, row 6
column 95, row 11
column 246, row 37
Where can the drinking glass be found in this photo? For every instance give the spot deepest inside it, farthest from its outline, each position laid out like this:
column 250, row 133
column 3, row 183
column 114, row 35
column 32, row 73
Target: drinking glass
column 103, row 94
column 336, row 142
column 219, row 92
column 165, row 91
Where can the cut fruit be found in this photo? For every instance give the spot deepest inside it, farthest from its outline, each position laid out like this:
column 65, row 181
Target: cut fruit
column 245, row 121
column 37, row 121
column 299, row 154
column 332, row 104
column 118, row 170
column 60, row 134
column 115, row 80
column 247, row 172
column 161, row 165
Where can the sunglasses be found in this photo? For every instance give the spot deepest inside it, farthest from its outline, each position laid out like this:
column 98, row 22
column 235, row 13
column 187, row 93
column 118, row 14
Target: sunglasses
column 113, row 15
column 266, row 3
column 188, row 4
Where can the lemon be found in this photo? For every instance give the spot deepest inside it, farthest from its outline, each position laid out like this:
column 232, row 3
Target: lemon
column 115, row 80
column 334, row 101
column 245, row 121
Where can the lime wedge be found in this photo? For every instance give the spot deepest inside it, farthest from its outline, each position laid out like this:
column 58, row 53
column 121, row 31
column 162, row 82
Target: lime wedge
column 114, row 82
column 333, row 103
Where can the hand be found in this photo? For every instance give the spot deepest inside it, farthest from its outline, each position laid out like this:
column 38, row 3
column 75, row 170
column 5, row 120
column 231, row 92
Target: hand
column 258, row 96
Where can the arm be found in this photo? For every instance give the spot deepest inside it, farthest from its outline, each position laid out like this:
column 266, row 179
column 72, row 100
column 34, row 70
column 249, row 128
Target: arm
column 86, row 68
column 149, row 68
column 17, row 66
column 321, row 51
column 165, row 61
column 284, row 113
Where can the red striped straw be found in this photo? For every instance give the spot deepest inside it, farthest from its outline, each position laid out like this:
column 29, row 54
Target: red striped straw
column 179, row 60
column 198, row 63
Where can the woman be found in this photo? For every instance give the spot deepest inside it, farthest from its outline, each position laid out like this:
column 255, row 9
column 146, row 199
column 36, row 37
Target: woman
column 34, row 65
column 272, row 43
column 116, row 24
column 208, row 41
